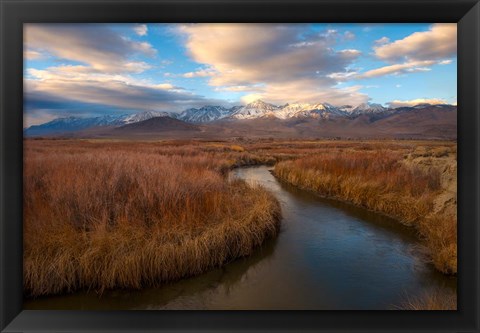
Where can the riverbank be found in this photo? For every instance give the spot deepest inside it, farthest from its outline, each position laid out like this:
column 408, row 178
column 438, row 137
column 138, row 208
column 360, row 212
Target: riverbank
column 417, row 188
column 115, row 215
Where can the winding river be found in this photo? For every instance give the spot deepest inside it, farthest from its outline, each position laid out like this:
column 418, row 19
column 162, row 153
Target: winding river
column 328, row 256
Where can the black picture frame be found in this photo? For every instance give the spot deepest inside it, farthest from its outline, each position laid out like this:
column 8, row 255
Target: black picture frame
column 15, row 13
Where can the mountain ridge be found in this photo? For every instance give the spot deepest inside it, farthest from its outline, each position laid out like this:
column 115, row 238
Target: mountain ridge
column 211, row 114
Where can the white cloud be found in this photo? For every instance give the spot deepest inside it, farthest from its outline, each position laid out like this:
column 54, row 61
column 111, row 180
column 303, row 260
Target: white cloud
column 438, row 43
column 141, row 29
column 413, row 102
column 238, row 88
column 282, row 58
column 136, row 67
column 33, row 55
column 95, row 45
column 445, row 62
column 409, row 67
column 306, row 91
column 381, row 41
column 53, row 90
column 414, row 53
column 143, row 47
column 199, row 73
column 343, row 76
column 350, row 53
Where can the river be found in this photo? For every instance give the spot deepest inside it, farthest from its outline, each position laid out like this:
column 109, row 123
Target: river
column 328, row 256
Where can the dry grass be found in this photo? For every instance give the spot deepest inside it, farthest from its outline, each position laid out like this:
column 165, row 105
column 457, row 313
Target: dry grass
column 380, row 180
column 125, row 214
column 117, row 215
column 431, row 300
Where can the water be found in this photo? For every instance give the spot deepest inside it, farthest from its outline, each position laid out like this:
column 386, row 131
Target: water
column 328, row 256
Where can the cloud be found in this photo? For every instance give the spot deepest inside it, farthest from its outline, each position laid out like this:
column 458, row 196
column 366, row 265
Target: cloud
column 287, row 60
column 348, row 35
column 438, row 43
column 72, row 84
column 350, row 53
column 33, row 55
column 39, row 117
column 237, row 88
column 397, row 69
column 141, row 29
column 445, row 62
column 199, row 73
column 343, row 76
column 75, row 90
column 95, row 45
column 414, row 53
column 143, row 47
column 381, row 41
column 398, row 103
column 167, row 86
column 300, row 91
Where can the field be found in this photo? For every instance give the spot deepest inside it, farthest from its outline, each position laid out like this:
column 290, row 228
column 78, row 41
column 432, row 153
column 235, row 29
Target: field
column 119, row 215
column 104, row 214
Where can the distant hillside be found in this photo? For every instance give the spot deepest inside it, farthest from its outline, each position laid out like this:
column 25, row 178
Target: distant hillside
column 72, row 124
column 157, row 124
column 430, row 121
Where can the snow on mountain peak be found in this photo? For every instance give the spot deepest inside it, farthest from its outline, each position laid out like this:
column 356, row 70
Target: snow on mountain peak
column 256, row 109
column 368, row 108
column 136, row 117
column 204, row 114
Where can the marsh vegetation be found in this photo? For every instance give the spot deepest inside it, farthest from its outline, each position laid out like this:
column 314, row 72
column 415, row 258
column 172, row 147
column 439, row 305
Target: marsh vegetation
column 106, row 214
column 102, row 216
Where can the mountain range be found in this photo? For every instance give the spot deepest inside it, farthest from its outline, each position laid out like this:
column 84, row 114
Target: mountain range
column 323, row 118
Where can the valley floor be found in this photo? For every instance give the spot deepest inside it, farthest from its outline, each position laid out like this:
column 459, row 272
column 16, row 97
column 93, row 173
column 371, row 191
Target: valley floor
column 104, row 214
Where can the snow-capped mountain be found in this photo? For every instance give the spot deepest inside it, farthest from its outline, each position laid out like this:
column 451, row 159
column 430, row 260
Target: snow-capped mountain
column 204, row 114
column 294, row 110
column 260, row 109
column 257, row 109
column 136, row 117
column 209, row 113
column 326, row 110
column 368, row 108
column 319, row 110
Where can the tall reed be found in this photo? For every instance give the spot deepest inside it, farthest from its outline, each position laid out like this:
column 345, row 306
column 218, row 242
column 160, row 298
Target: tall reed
column 126, row 217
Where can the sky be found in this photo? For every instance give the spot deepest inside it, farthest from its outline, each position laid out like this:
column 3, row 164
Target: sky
column 86, row 70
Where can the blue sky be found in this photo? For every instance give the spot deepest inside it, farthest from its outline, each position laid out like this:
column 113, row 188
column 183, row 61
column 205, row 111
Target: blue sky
column 97, row 69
